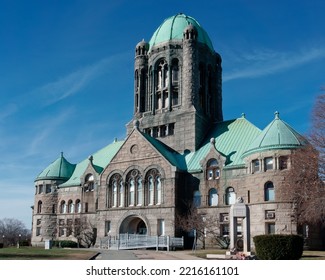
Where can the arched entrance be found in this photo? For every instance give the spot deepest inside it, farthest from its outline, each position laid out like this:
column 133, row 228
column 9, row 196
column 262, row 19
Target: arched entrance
column 133, row 225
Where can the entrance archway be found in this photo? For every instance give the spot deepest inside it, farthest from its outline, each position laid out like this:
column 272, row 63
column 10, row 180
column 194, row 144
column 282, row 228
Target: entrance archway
column 133, row 225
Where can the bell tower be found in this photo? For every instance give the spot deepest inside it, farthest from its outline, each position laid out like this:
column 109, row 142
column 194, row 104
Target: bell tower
column 177, row 84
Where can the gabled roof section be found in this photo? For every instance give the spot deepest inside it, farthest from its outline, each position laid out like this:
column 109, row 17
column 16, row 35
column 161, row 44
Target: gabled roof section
column 60, row 169
column 277, row 135
column 100, row 160
column 231, row 140
column 169, row 154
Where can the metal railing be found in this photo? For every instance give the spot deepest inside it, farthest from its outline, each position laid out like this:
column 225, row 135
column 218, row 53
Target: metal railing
column 126, row 241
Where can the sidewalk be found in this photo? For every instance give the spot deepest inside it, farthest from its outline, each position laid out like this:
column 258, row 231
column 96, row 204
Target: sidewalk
column 145, row 255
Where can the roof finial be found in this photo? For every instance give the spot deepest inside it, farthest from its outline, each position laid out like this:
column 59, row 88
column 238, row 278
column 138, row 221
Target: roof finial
column 243, row 115
column 276, row 114
column 61, row 154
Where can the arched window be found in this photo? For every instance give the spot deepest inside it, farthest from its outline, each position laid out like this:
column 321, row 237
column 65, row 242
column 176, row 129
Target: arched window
column 230, row 196
column 213, row 170
column 213, row 197
column 151, row 193
column 39, row 207
column 63, row 207
column 89, row 182
column 269, row 191
column 131, row 192
column 134, row 187
column 78, row 206
column 153, row 187
column 197, row 199
column 115, row 192
column 158, row 190
column 139, row 192
column 70, row 207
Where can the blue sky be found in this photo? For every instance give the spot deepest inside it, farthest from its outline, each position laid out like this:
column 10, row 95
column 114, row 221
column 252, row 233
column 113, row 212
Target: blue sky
column 66, row 73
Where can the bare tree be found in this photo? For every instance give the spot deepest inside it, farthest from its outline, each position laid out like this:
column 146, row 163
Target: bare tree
column 201, row 225
column 12, row 231
column 317, row 134
column 84, row 232
column 305, row 180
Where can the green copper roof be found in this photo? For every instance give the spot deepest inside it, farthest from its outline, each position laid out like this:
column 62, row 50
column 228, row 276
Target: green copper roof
column 100, row 160
column 60, row 169
column 277, row 135
column 231, row 139
column 172, row 29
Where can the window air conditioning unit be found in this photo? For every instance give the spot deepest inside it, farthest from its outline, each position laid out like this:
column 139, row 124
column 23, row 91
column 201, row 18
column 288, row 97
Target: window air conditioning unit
column 270, row 215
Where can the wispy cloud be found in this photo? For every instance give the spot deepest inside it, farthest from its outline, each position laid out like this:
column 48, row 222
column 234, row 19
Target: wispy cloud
column 265, row 62
column 7, row 111
column 75, row 82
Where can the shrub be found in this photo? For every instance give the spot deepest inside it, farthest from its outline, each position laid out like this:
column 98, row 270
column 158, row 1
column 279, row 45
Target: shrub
column 278, row 247
column 65, row 244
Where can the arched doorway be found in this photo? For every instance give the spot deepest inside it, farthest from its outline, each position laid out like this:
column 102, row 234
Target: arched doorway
column 133, row 225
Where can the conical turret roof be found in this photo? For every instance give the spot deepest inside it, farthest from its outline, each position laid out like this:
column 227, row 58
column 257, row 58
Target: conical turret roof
column 277, row 135
column 60, row 169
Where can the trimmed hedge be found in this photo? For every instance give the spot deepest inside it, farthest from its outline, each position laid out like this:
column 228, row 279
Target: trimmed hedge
column 278, row 246
column 65, row 244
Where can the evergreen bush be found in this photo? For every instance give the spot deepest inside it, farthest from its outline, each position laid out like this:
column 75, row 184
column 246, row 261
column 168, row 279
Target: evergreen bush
column 65, row 244
column 278, row 246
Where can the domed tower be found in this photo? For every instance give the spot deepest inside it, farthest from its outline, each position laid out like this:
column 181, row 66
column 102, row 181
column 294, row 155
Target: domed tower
column 46, row 198
column 177, row 84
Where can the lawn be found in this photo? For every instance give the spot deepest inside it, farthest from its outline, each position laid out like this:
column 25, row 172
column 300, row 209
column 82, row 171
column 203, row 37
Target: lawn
column 35, row 253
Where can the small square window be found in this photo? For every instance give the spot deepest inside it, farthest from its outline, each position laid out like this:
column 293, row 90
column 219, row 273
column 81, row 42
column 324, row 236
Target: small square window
column 283, row 163
column 256, row 165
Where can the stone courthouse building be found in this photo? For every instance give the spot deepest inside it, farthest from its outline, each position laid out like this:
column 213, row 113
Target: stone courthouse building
column 178, row 149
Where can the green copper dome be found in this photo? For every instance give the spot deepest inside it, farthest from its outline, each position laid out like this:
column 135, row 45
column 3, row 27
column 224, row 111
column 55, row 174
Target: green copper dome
column 277, row 135
column 172, row 29
column 60, row 169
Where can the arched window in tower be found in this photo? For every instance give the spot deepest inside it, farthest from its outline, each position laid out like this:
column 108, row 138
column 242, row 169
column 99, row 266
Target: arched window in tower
column 269, row 191
column 131, row 192
column 202, row 89
column 162, row 84
column 230, row 196
column 209, row 107
column 153, row 187
column 114, row 198
column 213, row 197
column 175, row 82
column 39, row 207
column 213, row 170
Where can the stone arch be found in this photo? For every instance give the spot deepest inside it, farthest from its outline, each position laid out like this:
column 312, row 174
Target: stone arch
column 133, row 223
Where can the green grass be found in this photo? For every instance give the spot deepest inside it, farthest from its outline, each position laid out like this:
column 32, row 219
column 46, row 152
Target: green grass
column 34, row 253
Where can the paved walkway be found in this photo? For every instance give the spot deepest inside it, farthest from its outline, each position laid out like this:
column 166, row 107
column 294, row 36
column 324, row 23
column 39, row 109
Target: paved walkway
column 145, row 255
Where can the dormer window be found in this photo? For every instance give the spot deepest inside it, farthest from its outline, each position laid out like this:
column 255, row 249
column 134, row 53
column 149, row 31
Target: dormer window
column 89, row 183
column 213, row 170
